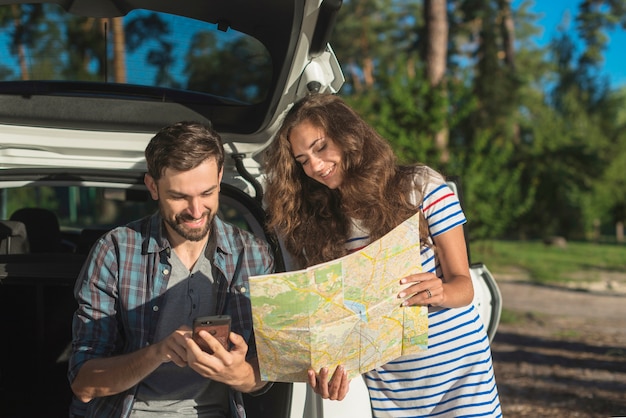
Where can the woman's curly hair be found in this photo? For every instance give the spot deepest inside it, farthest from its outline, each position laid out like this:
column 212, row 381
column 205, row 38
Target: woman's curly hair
column 313, row 220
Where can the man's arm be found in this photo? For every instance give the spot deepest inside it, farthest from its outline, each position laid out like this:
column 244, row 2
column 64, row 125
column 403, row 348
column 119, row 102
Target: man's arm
column 111, row 375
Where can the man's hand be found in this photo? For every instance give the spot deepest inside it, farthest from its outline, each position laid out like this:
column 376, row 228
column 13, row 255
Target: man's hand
column 229, row 367
column 174, row 347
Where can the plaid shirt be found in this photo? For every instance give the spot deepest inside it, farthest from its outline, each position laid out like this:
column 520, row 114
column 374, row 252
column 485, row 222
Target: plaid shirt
column 122, row 285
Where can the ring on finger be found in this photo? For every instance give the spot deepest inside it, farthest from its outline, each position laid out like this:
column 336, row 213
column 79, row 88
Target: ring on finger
column 430, row 295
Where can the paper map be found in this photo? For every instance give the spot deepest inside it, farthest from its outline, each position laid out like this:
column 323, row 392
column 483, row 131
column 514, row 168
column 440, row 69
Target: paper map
column 345, row 311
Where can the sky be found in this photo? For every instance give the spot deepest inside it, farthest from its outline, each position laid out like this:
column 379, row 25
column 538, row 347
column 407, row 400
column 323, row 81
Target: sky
column 553, row 12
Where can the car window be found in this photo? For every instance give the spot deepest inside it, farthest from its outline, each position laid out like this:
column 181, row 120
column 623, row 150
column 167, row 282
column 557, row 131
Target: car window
column 79, row 208
column 143, row 48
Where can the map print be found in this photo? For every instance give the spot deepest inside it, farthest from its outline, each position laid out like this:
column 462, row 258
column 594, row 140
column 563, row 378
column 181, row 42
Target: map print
column 345, row 311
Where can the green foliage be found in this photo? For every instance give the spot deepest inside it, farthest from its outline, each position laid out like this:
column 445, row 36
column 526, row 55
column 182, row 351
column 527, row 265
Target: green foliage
column 22, row 197
column 405, row 111
column 496, row 82
column 613, row 176
column 206, row 63
column 561, row 163
column 607, row 202
column 538, row 145
column 594, row 19
column 569, row 148
column 511, row 317
column 373, row 33
column 491, row 181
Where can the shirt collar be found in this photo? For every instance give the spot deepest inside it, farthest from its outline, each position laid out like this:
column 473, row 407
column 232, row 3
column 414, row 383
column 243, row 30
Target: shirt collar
column 218, row 238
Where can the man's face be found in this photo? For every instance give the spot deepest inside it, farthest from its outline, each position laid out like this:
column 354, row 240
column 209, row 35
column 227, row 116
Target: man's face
column 188, row 200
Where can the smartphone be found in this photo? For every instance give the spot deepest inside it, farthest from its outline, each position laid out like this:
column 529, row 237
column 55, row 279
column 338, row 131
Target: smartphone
column 217, row 325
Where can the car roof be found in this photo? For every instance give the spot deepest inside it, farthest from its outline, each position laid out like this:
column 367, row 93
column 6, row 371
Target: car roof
column 294, row 32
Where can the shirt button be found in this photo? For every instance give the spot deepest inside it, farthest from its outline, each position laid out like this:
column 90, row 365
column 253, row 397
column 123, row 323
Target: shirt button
column 242, row 289
column 166, row 271
column 155, row 308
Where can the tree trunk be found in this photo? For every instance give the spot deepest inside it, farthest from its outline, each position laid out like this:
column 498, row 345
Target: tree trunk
column 436, row 18
column 21, row 52
column 508, row 39
column 119, row 50
column 356, row 80
column 437, row 40
column 508, row 33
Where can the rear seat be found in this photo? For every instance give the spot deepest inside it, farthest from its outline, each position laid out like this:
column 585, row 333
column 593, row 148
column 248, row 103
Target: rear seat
column 88, row 238
column 13, row 238
column 44, row 232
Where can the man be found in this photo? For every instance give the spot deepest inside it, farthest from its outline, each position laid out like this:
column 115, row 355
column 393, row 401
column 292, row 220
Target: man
column 144, row 283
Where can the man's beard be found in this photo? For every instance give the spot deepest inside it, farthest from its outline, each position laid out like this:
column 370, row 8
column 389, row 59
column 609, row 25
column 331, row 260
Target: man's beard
column 191, row 234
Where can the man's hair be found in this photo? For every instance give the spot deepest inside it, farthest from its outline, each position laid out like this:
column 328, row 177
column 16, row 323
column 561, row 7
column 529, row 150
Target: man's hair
column 182, row 147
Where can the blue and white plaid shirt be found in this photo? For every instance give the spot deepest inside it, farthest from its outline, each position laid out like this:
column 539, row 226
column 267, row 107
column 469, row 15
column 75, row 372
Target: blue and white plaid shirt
column 122, row 285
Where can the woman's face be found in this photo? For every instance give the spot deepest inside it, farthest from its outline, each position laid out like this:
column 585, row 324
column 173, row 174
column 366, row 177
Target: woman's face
column 318, row 155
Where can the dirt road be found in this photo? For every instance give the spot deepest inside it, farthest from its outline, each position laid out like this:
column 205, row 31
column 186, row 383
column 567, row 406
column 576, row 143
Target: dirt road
column 564, row 355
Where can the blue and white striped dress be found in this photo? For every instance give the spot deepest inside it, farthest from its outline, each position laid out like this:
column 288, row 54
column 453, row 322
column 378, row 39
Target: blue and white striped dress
column 454, row 377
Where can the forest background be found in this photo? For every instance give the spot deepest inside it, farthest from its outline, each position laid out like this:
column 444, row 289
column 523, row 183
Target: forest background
column 536, row 134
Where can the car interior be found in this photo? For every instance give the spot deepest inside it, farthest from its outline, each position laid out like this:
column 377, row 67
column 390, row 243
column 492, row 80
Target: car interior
column 41, row 253
column 51, row 213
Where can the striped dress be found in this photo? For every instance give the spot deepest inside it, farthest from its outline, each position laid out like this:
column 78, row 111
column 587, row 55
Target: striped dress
column 454, row 377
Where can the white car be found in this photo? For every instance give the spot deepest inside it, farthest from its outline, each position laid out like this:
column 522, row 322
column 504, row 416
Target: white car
column 84, row 85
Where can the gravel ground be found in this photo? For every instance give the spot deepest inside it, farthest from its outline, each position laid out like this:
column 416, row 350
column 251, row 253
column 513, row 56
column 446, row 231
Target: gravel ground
column 565, row 354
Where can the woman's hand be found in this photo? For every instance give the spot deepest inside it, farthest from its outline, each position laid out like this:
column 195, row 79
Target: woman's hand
column 455, row 289
column 334, row 389
column 422, row 289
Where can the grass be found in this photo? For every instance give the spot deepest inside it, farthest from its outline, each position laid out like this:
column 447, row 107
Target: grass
column 508, row 316
column 550, row 264
column 567, row 333
column 511, row 317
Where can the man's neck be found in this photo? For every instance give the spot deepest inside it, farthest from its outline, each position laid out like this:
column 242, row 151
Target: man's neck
column 189, row 251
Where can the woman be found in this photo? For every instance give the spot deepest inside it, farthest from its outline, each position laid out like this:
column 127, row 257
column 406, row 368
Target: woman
column 333, row 186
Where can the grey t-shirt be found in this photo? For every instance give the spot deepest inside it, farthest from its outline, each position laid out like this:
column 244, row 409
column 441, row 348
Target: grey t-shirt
column 171, row 390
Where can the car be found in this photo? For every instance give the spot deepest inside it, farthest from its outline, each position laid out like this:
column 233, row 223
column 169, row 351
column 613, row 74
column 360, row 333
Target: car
column 84, row 85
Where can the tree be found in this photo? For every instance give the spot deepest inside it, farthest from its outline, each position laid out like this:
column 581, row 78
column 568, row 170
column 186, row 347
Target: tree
column 85, row 44
column 532, row 130
column 24, row 20
column 151, row 31
column 398, row 109
column 369, row 34
column 436, row 19
column 206, row 61
column 119, row 49
column 19, row 45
